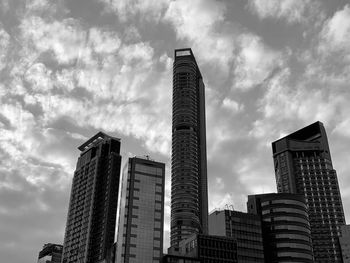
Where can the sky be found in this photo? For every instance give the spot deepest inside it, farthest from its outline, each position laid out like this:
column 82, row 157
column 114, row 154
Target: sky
column 71, row 68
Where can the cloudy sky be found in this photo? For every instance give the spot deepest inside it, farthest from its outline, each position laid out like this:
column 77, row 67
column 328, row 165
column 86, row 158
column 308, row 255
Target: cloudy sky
column 70, row 68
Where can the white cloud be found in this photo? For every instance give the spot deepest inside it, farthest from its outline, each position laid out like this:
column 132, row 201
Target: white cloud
column 195, row 19
column 104, row 42
column 200, row 22
column 293, row 11
column 148, row 10
column 255, row 62
column 343, row 128
column 232, row 105
column 65, row 39
column 37, row 4
column 119, row 81
column 39, row 77
column 335, row 35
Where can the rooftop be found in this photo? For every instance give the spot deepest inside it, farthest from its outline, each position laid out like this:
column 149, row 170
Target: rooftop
column 94, row 139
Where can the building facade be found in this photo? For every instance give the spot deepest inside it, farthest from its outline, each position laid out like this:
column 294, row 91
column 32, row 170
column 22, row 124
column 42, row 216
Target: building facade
column 140, row 237
column 210, row 249
column 245, row 228
column 189, row 193
column 303, row 165
column 344, row 241
column 179, row 259
column 51, row 253
column 286, row 228
column 93, row 201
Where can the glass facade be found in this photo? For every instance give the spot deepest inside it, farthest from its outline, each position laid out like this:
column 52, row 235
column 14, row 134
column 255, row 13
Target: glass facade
column 303, row 165
column 142, row 214
column 90, row 226
column 245, row 228
column 179, row 259
column 285, row 225
column 189, row 193
column 209, row 248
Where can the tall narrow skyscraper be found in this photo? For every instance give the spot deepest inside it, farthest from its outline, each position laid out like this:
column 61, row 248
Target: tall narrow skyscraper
column 93, row 202
column 141, row 217
column 303, row 165
column 189, row 191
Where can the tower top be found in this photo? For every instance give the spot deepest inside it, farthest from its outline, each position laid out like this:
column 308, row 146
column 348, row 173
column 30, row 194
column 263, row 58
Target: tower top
column 97, row 137
column 183, row 52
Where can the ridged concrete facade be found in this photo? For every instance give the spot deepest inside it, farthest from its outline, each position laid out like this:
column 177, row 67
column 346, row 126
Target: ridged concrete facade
column 303, row 165
column 285, row 225
column 189, row 194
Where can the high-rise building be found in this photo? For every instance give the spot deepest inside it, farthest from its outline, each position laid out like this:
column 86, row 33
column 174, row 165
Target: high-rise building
column 285, row 227
column 344, row 241
column 245, row 228
column 179, row 259
column 140, row 236
column 303, row 165
column 93, row 202
column 210, row 249
column 189, row 193
column 51, row 253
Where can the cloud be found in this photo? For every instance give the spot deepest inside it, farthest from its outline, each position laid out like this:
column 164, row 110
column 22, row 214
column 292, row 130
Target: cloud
column 4, row 45
column 65, row 39
column 335, row 35
column 202, row 24
column 232, row 105
column 255, row 62
column 293, row 11
column 150, row 10
column 117, row 78
column 37, row 4
column 194, row 20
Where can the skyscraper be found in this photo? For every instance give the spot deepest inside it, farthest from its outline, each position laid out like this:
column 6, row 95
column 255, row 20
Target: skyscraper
column 210, row 249
column 51, row 253
column 285, row 227
column 344, row 241
column 140, row 237
column 93, row 202
column 189, row 193
column 303, row 165
column 245, row 228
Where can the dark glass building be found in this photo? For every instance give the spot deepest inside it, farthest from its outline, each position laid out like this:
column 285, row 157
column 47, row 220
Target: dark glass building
column 286, row 228
column 140, row 237
column 189, row 193
column 179, row 259
column 93, row 202
column 303, row 165
column 245, row 228
column 210, row 249
column 51, row 253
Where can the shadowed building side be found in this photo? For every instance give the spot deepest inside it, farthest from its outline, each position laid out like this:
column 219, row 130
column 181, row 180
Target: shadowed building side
column 51, row 253
column 93, row 202
column 189, row 193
